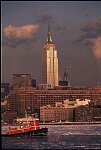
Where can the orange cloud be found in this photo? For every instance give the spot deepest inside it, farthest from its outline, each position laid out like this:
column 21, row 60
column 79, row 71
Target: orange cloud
column 96, row 47
column 20, row 33
column 92, row 36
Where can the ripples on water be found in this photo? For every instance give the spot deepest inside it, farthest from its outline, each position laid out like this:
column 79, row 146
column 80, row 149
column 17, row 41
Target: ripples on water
column 59, row 137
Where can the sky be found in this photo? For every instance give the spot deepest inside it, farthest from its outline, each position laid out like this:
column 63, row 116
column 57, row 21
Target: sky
column 75, row 31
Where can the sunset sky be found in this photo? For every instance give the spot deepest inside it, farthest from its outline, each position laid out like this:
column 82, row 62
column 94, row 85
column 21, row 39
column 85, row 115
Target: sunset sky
column 75, row 30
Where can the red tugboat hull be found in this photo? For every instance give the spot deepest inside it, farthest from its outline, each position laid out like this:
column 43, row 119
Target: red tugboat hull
column 27, row 126
column 39, row 132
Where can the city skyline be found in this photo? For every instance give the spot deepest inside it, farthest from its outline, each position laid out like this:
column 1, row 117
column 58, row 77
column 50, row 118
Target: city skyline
column 76, row 31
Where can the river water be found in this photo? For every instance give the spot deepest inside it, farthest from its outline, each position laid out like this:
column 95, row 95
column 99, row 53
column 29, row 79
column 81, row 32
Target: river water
column 59, row 137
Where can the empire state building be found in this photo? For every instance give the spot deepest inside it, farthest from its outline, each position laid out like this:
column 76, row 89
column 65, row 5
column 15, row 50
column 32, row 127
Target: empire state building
column 50, row 62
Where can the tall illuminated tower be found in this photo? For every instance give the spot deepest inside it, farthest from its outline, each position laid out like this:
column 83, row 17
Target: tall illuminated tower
column 50, row 62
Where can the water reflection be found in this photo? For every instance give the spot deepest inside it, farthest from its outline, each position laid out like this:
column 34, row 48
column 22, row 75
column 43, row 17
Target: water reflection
column 59, row 137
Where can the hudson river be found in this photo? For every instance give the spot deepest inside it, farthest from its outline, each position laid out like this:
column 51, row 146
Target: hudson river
column 59, row 137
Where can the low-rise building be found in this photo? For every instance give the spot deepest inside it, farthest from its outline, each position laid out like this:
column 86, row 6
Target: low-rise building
column 56, row 114
column 84, row 114
column 87, row 113
column 78, row 111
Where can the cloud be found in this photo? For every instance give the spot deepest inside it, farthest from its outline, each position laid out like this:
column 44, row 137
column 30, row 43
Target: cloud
column 92, row 36
column 92, row 29
column 86, row 15
column 96, row 47
column 20, row 33
column 61, row 29
column 44, row 18
column 14, row 35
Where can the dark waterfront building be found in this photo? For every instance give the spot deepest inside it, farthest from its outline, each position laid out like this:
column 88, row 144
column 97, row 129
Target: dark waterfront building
column 97, row 113
column 33, row 83
column 84, row 114
column 5, row 89
column 20, row 99
column 87, row 113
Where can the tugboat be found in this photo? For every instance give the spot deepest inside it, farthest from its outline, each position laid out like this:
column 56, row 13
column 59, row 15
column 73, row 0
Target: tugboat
column 27, row 126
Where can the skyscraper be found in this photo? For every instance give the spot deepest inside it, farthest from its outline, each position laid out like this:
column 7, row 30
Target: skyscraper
column 65, row 76
column 50, row 62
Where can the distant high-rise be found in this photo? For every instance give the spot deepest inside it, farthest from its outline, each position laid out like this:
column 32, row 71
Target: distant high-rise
column 22, row 80
column 65, row 81
column 65, row 76
column 50, row 62
column 33, row 83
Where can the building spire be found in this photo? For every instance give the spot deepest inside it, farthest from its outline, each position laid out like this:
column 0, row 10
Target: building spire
column 48, row 27
column 65, row 75
column 49, row 39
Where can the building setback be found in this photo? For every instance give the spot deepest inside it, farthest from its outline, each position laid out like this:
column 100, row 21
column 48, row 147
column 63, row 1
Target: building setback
column 20, row 99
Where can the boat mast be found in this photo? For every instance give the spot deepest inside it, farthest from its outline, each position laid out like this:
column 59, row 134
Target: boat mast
column 26, row 116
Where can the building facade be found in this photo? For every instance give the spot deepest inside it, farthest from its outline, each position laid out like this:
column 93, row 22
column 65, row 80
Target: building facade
column 22, row 80
column 50, row 62
column 9, row 116
column 63, row 111
column 84, row 114
column 20, row 99
column 56, row 114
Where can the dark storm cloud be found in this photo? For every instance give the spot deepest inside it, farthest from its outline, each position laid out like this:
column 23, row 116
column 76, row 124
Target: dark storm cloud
column 14, row 36
column 44, row 18
column 86, row 15
column 92, row 36
column 9, row 43
column 91, row 30
column 61, row 29
column 15, row 43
